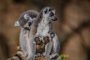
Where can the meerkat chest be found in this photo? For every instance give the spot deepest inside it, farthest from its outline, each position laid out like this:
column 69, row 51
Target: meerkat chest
column 43, row 29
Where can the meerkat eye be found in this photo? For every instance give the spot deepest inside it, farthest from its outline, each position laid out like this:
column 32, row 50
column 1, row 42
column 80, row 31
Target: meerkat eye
column 45, row 11
column 29, row 24
column 37, row 39
column 50, row 9
column 51, row 14
column 33, row 16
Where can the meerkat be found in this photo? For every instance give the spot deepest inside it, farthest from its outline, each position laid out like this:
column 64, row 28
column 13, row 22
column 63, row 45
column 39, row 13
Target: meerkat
column 45, row 29
column 28, row 24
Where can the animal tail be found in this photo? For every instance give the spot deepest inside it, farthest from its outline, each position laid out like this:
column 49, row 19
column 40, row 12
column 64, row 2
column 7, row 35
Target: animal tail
column 18, row 56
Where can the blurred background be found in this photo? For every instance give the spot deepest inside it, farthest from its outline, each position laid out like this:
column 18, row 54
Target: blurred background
column 72, row 27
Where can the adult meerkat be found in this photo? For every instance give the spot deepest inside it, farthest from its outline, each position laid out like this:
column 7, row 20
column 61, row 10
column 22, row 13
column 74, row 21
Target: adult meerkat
column 28, row 24
column 44, row 29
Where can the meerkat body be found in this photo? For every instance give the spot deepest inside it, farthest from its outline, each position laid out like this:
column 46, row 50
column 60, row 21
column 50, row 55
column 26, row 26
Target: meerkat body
column 45, row 29
column 28, row 24
column 31, row 28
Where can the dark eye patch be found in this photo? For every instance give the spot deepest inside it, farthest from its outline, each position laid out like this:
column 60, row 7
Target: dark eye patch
column 33, row 16
column 46, row 11
column 46, row 39
column 51, row 9
column 22, row 21
column 26, row 28
column 51, row 14
column 30, row 23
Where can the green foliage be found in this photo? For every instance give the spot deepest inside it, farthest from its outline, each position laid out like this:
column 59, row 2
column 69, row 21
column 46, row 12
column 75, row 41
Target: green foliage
column 63, row 57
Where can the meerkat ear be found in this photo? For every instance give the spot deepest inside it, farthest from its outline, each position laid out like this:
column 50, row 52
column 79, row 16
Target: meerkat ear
column 26, row 16
column 17, row 24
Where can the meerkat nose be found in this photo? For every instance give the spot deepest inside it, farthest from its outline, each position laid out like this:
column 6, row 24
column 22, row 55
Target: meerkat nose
column 17, row 23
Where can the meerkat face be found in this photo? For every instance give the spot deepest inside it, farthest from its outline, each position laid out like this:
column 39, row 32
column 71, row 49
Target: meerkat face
column 26, row 19
column 49, row 14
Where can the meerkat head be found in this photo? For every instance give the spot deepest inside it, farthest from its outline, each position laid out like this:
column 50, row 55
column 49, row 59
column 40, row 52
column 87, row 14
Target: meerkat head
column 49, row 14
column 27, row 18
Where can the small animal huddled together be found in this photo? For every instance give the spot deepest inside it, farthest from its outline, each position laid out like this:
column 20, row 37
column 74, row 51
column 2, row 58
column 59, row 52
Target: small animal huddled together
column 36, row 36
